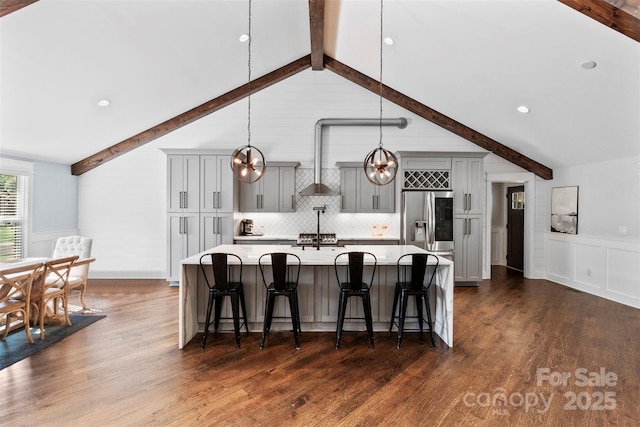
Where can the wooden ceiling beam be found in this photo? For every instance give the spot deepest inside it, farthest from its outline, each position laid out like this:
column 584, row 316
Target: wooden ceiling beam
column 190, row 116
column 8, row 6
column 438, row 118
column 620, row 15
column 316, row 27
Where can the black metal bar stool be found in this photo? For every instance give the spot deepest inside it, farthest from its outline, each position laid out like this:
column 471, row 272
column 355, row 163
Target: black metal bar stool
column 351, row 279
column 285, row 272
column 411, row 282
column 220, row 286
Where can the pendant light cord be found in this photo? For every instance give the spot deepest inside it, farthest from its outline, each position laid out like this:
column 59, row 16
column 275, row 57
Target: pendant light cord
column 380, row 82
column 249, row 79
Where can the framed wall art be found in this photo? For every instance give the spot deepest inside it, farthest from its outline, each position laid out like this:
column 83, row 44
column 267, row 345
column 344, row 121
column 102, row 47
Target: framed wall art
column 564, row 210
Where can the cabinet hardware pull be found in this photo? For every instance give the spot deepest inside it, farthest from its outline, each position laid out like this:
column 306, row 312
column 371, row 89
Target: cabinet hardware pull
column 219, row 200
column 180, row 201
column 293, row 201
column 186, row 200
column 257, row 201
column 186, row 226
column 469, row 205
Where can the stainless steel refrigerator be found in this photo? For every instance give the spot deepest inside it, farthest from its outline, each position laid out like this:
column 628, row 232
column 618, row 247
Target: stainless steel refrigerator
column 426, row 221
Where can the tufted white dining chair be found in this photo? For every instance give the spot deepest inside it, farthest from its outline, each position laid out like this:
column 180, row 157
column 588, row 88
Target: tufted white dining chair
column 80, row 246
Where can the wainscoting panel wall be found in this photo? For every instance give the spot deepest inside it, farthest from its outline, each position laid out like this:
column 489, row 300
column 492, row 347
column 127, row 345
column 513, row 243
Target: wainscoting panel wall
column 607, row 268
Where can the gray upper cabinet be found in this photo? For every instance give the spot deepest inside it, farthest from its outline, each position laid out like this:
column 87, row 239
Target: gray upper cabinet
column 467, row 185
column 183, row 176
column 358, row 194
column 287, row 196
column 348, row 189
column 216, row 184
column 274, row 192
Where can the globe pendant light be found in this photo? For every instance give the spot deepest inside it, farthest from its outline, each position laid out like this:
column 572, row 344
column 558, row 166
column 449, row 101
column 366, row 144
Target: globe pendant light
column 248, row 162
column 380, row 165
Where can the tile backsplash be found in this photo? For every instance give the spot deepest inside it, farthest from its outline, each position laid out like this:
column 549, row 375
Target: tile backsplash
column 304, row 220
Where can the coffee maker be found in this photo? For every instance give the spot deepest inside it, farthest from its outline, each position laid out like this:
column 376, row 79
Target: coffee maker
column 247, row 227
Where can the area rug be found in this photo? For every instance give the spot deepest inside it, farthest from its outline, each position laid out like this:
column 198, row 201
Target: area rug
column 16, row 347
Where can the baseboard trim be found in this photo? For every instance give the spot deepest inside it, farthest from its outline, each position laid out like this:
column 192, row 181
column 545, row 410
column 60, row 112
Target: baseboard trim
column 127, row 274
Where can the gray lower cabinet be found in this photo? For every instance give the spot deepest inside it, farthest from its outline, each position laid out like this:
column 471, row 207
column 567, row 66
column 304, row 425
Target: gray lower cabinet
column 183, row 241
column 264, row 242
column 274, row 192
column 468, row 249
column 216, row 229
column 346, row 242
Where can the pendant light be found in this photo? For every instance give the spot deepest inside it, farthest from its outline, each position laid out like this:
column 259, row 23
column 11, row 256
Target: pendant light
column 247, row 162
column 380, row 165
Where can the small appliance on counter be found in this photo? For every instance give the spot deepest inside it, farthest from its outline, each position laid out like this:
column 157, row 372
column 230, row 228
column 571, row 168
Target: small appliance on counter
column 247, row 227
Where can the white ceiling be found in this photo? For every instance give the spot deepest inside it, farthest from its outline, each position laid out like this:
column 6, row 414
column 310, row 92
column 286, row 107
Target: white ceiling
column 474, row 61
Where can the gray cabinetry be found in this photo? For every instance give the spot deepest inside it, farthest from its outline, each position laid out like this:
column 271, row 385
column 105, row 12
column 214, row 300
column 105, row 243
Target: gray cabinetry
column 183, row 240
column 358, row 194
column 274, row 192
column 216, row 183
column 199, row 204
column 183, row 189
column 468, row 187
column 216, row 229
column 468, row 249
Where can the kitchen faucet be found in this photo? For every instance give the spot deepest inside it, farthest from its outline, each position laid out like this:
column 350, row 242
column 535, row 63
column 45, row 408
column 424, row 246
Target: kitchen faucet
column 319, row 209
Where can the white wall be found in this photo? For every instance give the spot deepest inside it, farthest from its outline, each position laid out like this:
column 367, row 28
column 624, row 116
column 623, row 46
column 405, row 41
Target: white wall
column 598, row 260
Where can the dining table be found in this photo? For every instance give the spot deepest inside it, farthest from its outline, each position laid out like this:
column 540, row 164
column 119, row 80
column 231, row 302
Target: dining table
column 36, row 287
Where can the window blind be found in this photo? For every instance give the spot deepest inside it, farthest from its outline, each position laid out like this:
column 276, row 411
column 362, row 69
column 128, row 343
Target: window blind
column 12, row 216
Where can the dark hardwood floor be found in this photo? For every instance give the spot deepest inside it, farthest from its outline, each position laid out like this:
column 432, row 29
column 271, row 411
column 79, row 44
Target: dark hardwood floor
column 513, row 341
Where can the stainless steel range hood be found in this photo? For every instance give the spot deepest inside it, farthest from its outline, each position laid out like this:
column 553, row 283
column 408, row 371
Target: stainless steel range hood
column 318, row 188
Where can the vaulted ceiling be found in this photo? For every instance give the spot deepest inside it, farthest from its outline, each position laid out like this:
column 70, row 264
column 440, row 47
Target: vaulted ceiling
column 464, row 65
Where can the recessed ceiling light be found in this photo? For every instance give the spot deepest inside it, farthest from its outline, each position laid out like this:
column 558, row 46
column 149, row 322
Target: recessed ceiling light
column 104, row 103
column 588, row 65
column 388, row 41
column 523, row 109
column 243, row 38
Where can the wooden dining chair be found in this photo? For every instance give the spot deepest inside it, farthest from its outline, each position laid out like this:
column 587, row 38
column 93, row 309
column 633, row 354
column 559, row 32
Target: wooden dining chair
column 54, row 289
column 15, row 295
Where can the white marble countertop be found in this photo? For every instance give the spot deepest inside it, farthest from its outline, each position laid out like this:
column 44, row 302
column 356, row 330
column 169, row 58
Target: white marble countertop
column 295, row 237
column 386, row 254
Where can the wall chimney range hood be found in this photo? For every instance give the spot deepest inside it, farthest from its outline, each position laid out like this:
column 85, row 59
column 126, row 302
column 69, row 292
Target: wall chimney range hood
column 318, row 188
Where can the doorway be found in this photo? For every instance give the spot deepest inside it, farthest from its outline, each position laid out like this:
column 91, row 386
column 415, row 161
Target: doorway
column 515, row 227
column 496, row 244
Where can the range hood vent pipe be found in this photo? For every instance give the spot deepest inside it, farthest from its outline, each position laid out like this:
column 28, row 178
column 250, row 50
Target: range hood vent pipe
column 318, row 188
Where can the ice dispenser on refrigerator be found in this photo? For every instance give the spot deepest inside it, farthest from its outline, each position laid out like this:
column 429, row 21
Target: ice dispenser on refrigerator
column 427, row 220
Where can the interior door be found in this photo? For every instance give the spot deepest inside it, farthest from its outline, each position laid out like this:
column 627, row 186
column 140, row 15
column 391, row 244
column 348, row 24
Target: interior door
column 515, row 227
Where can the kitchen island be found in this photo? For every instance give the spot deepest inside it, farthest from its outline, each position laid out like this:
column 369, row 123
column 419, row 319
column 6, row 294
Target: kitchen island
column 317, row 291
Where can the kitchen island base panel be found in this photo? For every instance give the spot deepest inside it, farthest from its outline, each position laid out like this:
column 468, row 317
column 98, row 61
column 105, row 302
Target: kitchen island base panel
column 318, row 295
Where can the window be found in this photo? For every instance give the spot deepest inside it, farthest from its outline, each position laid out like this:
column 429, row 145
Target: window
column 12, row 192
column 14, row 187
column 517, row 200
